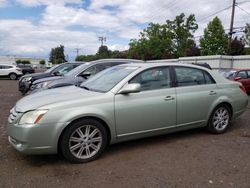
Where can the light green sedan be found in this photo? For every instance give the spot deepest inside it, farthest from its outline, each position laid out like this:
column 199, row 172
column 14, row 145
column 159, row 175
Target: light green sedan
column 122, row 103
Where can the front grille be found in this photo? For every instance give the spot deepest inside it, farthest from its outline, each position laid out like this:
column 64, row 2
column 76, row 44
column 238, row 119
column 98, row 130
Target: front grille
column 14, row 115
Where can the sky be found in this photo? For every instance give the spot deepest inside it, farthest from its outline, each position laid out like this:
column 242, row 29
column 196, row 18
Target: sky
column 30, row 28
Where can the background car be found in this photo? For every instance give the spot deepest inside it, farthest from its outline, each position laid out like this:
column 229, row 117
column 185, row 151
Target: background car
column 124, row 102
column 10, row 71
column 26, row 80
column 26, row 69
column 79, row 74
column 240, row 75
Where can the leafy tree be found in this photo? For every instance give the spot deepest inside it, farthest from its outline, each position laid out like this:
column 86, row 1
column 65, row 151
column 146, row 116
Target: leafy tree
column 42, row 62
column 247, row 34
column 152, row 43
column 86, row 58
column 57, row 55
column 24, row 62
column 18, row 61
column 192, row 49
column 103, row 52
column 236, row 47
column 182, row 30
column 167, row 40
column 215, row 40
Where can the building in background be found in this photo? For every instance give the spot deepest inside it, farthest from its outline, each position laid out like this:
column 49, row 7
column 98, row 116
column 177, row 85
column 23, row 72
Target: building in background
column 35, row 62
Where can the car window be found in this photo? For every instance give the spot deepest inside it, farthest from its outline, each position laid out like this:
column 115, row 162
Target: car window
column 242, row 74
column 95, row 69
column 156, row 78
column 186, row 76
column 248, row 73
column 6, row 67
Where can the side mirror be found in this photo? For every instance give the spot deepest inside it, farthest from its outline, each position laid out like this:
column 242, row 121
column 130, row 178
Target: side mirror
column 85, row 74
column 237, row 78
column 57, row 73
column 130, row 88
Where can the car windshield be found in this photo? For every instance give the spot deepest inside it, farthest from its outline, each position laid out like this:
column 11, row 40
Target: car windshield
column 107, row 79
column 51, row 69
column 77, row 70
column 229, row 75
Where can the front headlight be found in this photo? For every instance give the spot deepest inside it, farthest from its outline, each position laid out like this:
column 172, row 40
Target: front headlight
column 42, row 85
column 27, row 79
column 32, row 117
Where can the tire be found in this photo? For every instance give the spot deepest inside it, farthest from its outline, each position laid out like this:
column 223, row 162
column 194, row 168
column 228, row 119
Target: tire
column 78, row 146
column 220, row 119
column 13, row 76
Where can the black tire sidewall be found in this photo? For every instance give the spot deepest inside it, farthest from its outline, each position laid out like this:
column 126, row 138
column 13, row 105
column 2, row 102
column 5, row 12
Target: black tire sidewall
column 211, row 127
column 64, row 141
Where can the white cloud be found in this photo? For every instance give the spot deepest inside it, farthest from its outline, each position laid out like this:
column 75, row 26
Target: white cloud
column 22, row 37
column 3, row 3
column 119, row 20
column 33, row 3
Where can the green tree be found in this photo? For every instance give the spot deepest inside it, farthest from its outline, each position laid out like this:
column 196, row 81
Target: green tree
column 42, row 62
column 57, row 55
column 182, row 29
column 153, row 42
column 167, row 40
column 192, row 49
column 24, row 62
column 247, row 34
column 103, row 52
column 236, row 47
column 215, row 40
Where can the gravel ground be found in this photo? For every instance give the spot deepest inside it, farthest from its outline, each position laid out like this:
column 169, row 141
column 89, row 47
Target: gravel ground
column 186, row 159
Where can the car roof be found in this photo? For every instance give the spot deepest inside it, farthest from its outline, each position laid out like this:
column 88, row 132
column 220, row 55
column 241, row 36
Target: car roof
column 116, row 60
column 149, row 65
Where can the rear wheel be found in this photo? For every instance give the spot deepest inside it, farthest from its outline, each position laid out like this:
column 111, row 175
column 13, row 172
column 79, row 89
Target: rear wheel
column 83, row 141
column 220, row 119
column 13, row 76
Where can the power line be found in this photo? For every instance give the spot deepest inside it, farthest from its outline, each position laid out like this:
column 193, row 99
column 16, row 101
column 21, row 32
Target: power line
column 217, row 12
column 243, row 10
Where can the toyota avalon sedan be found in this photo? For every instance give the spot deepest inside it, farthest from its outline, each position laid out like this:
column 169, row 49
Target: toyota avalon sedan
column 124, row 102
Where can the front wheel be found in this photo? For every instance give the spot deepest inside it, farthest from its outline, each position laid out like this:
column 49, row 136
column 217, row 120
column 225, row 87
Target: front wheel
column 219, row 120
column 83, row 141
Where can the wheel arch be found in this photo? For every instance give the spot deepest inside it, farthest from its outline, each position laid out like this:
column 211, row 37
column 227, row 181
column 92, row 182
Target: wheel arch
column 104, row 123
column 227, row 103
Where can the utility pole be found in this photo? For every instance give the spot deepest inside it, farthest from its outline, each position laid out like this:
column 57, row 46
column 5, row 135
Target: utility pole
column 232, row 23
column 102, row 39
column 77, row 51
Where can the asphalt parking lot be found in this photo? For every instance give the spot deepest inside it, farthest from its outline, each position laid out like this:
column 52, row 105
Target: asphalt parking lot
column 188, row 159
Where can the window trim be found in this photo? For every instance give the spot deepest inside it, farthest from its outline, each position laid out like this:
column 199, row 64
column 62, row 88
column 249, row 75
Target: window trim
column 202, row 70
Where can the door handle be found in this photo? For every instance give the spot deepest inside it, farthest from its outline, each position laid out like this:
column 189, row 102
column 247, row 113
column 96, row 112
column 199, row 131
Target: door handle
column 212, row 93
column 169, row 98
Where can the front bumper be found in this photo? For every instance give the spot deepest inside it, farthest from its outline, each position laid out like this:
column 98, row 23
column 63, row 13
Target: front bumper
column 34, row 139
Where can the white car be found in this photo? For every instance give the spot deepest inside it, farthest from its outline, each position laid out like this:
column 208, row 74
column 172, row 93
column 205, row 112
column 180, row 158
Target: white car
column 10, row 71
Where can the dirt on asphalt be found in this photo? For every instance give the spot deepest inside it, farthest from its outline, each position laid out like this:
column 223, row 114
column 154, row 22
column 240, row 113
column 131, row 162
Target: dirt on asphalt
column 186, row 159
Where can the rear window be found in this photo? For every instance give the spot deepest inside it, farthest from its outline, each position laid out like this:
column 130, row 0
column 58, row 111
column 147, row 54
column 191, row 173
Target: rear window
column 186, row 76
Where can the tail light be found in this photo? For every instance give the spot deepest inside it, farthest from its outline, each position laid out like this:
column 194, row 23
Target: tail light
column 242, row 88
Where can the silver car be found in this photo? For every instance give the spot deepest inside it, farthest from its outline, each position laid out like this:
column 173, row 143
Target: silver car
column 122, row 103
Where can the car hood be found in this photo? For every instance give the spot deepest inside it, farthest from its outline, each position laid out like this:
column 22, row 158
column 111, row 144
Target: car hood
column 52, row 96
column 35, row 75
column 47, row 79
